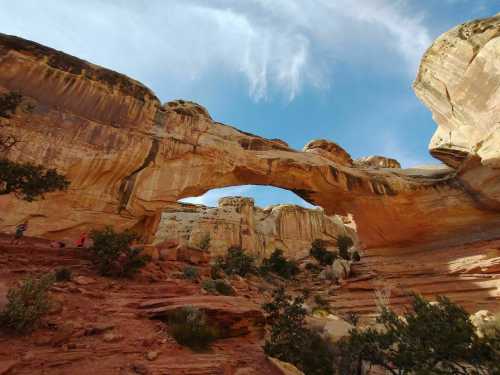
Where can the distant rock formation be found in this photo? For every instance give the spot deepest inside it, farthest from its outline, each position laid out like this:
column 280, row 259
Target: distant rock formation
column 377, row 162
column 238, row 222
column 129, row 158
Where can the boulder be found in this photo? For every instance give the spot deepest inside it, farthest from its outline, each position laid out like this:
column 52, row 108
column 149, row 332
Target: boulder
column 341, row 269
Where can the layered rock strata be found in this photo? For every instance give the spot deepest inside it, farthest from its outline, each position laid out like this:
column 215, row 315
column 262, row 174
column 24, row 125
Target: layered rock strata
column 129, row 157
column 238, row 222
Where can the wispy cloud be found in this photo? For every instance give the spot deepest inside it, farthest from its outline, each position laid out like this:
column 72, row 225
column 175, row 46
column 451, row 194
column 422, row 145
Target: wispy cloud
column 278, row 46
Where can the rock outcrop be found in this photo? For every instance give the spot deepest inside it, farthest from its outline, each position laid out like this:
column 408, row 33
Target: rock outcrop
column 129, row 157
column 377, row 162
column 238, row 222
column 459, row 80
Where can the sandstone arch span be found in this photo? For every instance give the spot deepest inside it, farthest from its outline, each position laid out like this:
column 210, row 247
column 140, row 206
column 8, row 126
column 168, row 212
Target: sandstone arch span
column 128, row 157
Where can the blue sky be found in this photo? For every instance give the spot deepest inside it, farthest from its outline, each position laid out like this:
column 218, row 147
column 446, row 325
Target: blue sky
column 290, row 69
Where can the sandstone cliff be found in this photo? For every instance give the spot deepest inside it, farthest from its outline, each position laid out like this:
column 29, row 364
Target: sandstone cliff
column 238, row 222
column 129, row 157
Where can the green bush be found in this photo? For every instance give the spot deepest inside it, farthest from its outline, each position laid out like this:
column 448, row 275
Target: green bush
column 430, row 339
column 279, row 265
column 236, row 262
column 189, row 327
column 63, row 274
column 290, row 339
column 319, row 252
column 27, row 304
column 218, row 286
column 113, row 255
column 191, row 273
column 344, row 243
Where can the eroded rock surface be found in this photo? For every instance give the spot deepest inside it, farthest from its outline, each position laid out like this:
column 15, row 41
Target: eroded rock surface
column 238, row 222
column 129, row 157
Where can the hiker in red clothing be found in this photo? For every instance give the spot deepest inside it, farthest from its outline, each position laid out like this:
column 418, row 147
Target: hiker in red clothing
column 81, row 241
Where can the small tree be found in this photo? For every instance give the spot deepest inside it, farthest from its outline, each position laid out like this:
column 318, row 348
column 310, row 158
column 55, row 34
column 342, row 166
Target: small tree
column 28, row 181
column 291, row 341
column 431, row 339
column 27, row 304
column 319, row 252
column 279, row 265
column 344, row 243
column 189, row 327
column 113, row 254
column 191, row 273
column 236, row 262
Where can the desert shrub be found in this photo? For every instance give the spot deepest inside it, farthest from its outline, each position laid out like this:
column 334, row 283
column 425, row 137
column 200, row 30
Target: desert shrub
column 429, row 339
column 344, row 243
column 218, row 286
column 321, row 302
column 216, row 271
column 29, row 181
column 319, row 252
column 290, row 339
column 279, row 265
column 236, row 262
column 9, row 103
column 113, row 255
column 189, row 327
column 191, row 273
column 355, row 256
column 27, row 304
column 311, row 267
column 63, row 274
column 205, row 242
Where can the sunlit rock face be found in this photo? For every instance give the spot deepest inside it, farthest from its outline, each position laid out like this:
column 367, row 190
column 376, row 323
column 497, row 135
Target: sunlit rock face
column 459, row 80
column 238, row 222
column 129, row 158
column 377, row 162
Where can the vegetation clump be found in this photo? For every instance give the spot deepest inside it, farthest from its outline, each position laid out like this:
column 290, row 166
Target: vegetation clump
column 27, row 304
column 63, row 274
column 113, row 254
column 205, row 242
column 9, row 103
column 236, row 262
column 344, row 243
column 318, row 251
column 218, row 286
column 432, row 338
column 290, row 339
column 189, row 327
column 191, row 273
column 29, row 181
column 279, row 265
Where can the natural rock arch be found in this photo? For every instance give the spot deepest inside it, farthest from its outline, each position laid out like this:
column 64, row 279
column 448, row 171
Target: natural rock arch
column 128, row 157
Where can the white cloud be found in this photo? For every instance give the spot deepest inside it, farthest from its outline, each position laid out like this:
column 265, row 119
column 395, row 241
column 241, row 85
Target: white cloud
column 279, row 46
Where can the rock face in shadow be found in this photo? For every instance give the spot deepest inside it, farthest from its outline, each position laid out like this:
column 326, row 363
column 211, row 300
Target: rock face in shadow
column 129, row 157
column 238, row 222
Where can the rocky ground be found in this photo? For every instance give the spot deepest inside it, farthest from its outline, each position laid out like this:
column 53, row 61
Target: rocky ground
column 108, row 326
column 100, row 325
